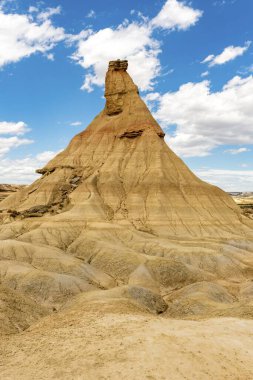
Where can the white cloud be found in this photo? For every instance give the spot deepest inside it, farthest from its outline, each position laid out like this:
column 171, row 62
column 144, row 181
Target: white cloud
column 32, row 9
column 237, row 81
column 133, row 41
column 76, row 124
column 176, row 15
column 150, row 99
column 50, row 56
column 19, row 170
column 49, row 12
column 205, row 120
column 237, row 151
column 220, row 3
column 46, row 156
column 12, row 128
column 228, row 54
column 91, row 14
column 8, row 143
column 205, row 74
column 21, row 36
column 23, row 170
column 208, row 58
column 228, row 180
column 152, row 96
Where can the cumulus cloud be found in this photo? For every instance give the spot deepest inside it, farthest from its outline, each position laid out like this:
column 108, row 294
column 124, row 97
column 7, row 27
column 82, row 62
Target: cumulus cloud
column 8, row 143
column 49, row 12
column 176, row 15
column 32, row 9
column 23, row 170
column 19, row 170
column 237, row 151
column 21, row 35
column 133, row 41
column 15, row 129
column 46, row 156
column 204, row 119
column 12, row 128
column 228, row 180
column 228, row 54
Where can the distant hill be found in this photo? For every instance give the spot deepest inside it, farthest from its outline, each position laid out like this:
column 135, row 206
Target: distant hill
column 240, row 193
column 245, row 201
column 6, row 190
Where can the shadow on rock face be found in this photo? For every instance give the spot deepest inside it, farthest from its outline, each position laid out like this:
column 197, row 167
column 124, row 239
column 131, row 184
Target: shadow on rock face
column 145, row 297
column 116, row 299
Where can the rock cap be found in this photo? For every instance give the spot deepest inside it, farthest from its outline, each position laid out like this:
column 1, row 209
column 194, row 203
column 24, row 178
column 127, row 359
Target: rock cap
column 118, row 65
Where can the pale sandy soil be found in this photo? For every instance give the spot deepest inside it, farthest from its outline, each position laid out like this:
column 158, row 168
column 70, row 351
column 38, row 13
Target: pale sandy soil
column 129, row 344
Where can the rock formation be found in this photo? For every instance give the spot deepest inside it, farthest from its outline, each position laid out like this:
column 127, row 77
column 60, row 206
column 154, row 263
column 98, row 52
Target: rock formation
column 6, row 190
column 117, row 222
column 245, row 201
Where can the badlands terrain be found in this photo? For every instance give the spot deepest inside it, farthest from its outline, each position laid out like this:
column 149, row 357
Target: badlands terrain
column 245, row 201
column 6, row 190
column 118, row 262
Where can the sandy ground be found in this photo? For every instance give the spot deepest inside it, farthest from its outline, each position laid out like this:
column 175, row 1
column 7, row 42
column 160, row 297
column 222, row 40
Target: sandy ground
column 130, row 345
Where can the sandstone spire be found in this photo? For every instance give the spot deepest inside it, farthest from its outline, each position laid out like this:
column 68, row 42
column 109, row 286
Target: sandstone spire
column 120, row 169
column 118, row 207
column 122, row 96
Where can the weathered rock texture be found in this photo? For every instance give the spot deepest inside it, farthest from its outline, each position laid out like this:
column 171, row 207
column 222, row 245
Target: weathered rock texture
column 117, row 197
column 245, row 201
column 118, row 223
column 6, row 190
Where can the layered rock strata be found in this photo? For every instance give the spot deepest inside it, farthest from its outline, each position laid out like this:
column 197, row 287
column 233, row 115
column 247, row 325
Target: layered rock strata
column 118, row 209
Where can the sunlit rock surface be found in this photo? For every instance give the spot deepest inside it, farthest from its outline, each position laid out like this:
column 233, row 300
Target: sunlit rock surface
column 117, row 237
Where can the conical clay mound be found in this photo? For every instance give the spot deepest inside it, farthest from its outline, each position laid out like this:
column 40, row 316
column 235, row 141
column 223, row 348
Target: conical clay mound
column 120, row 169
column 118, row 198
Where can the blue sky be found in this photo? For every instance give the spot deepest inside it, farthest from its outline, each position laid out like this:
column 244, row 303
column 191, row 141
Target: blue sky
column 192, row 60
